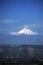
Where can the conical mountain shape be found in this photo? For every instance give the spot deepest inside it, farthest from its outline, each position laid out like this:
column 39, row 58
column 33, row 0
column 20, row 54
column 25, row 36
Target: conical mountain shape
column 25, row 31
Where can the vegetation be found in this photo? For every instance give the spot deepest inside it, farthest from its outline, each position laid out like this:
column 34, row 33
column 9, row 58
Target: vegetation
column 23, row 55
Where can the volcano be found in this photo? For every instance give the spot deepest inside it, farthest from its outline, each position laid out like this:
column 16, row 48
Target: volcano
column 24, row 31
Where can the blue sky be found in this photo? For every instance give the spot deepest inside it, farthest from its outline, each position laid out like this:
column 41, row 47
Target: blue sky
column 14, row 14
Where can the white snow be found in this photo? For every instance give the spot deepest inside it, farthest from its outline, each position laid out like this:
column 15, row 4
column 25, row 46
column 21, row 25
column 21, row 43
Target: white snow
column 25, row 31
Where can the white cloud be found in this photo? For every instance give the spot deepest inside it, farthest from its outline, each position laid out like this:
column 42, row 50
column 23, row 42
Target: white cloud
column 25, row 31
column 14, row 33
column 36, row 25
column 9, row 20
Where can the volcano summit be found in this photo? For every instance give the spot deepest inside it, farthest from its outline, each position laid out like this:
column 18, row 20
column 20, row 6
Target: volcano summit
column 24, row 31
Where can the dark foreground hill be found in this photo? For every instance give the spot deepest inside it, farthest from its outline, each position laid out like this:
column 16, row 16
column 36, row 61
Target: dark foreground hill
column 21, row 54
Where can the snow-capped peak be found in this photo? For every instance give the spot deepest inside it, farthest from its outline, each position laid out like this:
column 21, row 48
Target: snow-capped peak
column 25, row 31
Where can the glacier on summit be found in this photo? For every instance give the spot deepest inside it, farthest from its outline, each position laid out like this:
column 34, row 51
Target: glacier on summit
column 24, row 31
